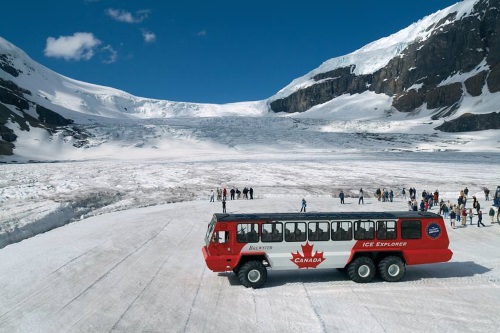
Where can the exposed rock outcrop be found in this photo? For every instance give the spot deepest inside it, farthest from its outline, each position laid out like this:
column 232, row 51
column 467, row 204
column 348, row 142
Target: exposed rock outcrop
column 14, row 96
column 472, row 122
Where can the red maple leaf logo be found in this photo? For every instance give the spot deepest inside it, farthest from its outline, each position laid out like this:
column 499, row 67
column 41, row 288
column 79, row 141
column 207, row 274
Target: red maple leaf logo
column 307, row 260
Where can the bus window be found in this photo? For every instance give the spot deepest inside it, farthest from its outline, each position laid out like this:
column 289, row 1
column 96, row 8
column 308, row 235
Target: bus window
column 386, row 229
column 319, row 231
column 411, row 230
column 341, row 231
column 364, row 230
column 247, row 233
column 221, row 237
column 295, row 232
column 272, row 232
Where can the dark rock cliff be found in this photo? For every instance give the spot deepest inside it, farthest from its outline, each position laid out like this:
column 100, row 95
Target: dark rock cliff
column 12, row 97
column 469, row 122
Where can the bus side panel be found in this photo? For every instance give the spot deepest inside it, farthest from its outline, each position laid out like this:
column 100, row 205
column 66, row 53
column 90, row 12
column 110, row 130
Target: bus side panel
column 339, row 259
column 214, row 263
column 305, row 255
column 220, row 263
column 433, row 247
column 427, row 256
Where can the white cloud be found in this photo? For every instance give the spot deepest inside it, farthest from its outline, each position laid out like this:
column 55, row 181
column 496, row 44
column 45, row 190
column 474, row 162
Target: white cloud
column 113, row 55
column 121, row 15
column 80, row 46
column 202, row 33
column 149, row 37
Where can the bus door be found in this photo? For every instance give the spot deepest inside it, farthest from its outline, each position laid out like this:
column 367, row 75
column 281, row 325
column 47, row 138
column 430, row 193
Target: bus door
column 221, row 240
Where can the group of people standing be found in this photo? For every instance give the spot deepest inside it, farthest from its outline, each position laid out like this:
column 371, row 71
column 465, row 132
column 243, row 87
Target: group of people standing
column 455, row 212
column 459, row 213
column 361, row 196
column 385, row 195
column 234, row 193
column 428, row 200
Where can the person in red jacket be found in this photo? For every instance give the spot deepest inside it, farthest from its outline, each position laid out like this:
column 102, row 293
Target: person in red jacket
column 463, row 218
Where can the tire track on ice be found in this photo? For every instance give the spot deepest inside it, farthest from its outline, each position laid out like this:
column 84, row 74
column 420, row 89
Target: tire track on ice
column 194, row 298
column 49, row 285
column 115, row 325
column 316, row 313
column 115, row 266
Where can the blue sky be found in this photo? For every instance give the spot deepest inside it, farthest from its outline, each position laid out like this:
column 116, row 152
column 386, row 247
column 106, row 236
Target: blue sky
column 199, row 51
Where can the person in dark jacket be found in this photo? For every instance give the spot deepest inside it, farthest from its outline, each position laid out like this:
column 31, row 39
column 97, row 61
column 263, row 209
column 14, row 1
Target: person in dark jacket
column 476, row 204
column 480, row 219
column 491, row 214
column 304, row 205
column 341, row 196
column 453, row 216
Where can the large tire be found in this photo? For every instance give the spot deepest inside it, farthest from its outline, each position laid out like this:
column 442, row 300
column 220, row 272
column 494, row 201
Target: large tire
column 361, row 270
column 391, row 269
column 253, row 274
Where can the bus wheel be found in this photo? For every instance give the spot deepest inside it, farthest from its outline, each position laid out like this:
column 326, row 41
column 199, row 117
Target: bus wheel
column 391, row 269
column 361, row 270
column 253, row 274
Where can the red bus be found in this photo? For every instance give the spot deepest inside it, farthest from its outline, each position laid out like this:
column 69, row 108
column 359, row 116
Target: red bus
column 362, row 243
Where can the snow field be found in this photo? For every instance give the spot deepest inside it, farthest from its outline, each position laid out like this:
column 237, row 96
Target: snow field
column 142, row 270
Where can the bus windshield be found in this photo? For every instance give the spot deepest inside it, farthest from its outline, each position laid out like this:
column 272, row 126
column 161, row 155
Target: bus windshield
column 210, row 229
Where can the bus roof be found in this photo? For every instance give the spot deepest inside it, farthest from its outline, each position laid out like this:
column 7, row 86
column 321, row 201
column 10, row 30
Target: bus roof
column 323, row 216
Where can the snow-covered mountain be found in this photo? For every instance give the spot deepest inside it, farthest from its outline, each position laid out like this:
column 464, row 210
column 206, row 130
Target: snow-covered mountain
column 80, row 101
column 443, row 70
column 446, row 64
